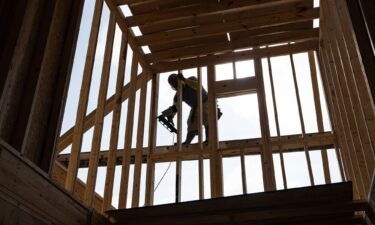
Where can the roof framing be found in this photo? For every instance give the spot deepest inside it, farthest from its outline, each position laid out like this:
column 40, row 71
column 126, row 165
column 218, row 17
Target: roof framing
column 176, row 30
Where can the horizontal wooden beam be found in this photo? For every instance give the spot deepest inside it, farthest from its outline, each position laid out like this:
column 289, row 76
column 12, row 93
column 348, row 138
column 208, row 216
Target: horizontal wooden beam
column 227, row 46
column 290, row 143
column 229, row 88
column 222, row 28
column 232, row 56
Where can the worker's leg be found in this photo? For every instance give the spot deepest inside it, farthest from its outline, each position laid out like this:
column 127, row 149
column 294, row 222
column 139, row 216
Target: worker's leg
column 189, row 137
column 192, row 128
column 207, row 133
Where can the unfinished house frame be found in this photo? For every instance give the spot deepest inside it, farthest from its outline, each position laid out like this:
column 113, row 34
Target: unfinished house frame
column 166, row 36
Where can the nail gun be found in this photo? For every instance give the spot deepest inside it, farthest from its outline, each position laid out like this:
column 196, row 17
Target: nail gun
column 167, row 122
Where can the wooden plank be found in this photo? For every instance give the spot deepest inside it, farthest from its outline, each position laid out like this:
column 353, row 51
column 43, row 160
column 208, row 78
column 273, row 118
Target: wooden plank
column 226, row 46
column 226, row 88
column 99, row 116
column 199, row 110
column 302, row 121
column 244, row 25
column 111, row 164
column 23, row 184
column 148, row 6
column 128, row 135
column 224, row 17
column 120, row 19
column 241, row 55
column 319, row 117
column 150, row 171
column 216, row 169
column 247, row 204
column 139, row 146
column 266, row 154
column 276, row 116
column 83, row 98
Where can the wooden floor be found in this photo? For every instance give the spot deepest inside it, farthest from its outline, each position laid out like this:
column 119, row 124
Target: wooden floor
column 324, row 204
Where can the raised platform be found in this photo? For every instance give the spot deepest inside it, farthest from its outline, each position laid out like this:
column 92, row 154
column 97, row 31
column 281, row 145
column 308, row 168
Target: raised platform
column 324, row 204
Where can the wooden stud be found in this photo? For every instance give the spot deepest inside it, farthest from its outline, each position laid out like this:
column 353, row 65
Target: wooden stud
column 128, row 135
column 319, row 117
column 99, row 116
column 311, row 175
column 266, row 154
column 199, row 110
column 83, row 99
column 138, row 154
column 216, row 169
column 276, row 116
column 111, row 163
column 150, row 172
column 179, row 140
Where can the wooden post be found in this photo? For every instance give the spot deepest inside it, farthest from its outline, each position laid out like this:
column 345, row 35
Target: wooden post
column 152, row 141
column 216, row 169
column 179, row 140
column 319, row 117
column 99, row 116
column 199, row 110
column 111, row 163
column 128, row 136
column 311, row 176
column 83, row 99
column 276, row 116
column 138, row 154
column 266, row 154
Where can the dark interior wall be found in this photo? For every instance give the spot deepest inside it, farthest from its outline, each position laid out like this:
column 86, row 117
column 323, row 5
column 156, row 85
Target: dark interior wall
column 38, row 47
column 363, row 17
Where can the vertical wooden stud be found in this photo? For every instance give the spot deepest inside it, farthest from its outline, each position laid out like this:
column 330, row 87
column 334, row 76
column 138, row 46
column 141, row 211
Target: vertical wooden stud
column 111, row 163
column 99, row 115
column 128, row 135
column 71, row 176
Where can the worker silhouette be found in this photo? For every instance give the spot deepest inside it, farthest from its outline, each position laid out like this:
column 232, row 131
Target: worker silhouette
column 189, row 96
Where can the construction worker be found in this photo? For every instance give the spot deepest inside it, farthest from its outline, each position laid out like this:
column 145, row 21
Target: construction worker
column 189, row 96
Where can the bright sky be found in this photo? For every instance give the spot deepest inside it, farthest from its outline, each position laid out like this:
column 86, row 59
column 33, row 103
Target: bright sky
column 239, row 121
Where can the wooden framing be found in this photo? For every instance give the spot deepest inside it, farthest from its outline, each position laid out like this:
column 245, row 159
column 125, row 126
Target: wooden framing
column 207, row 33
